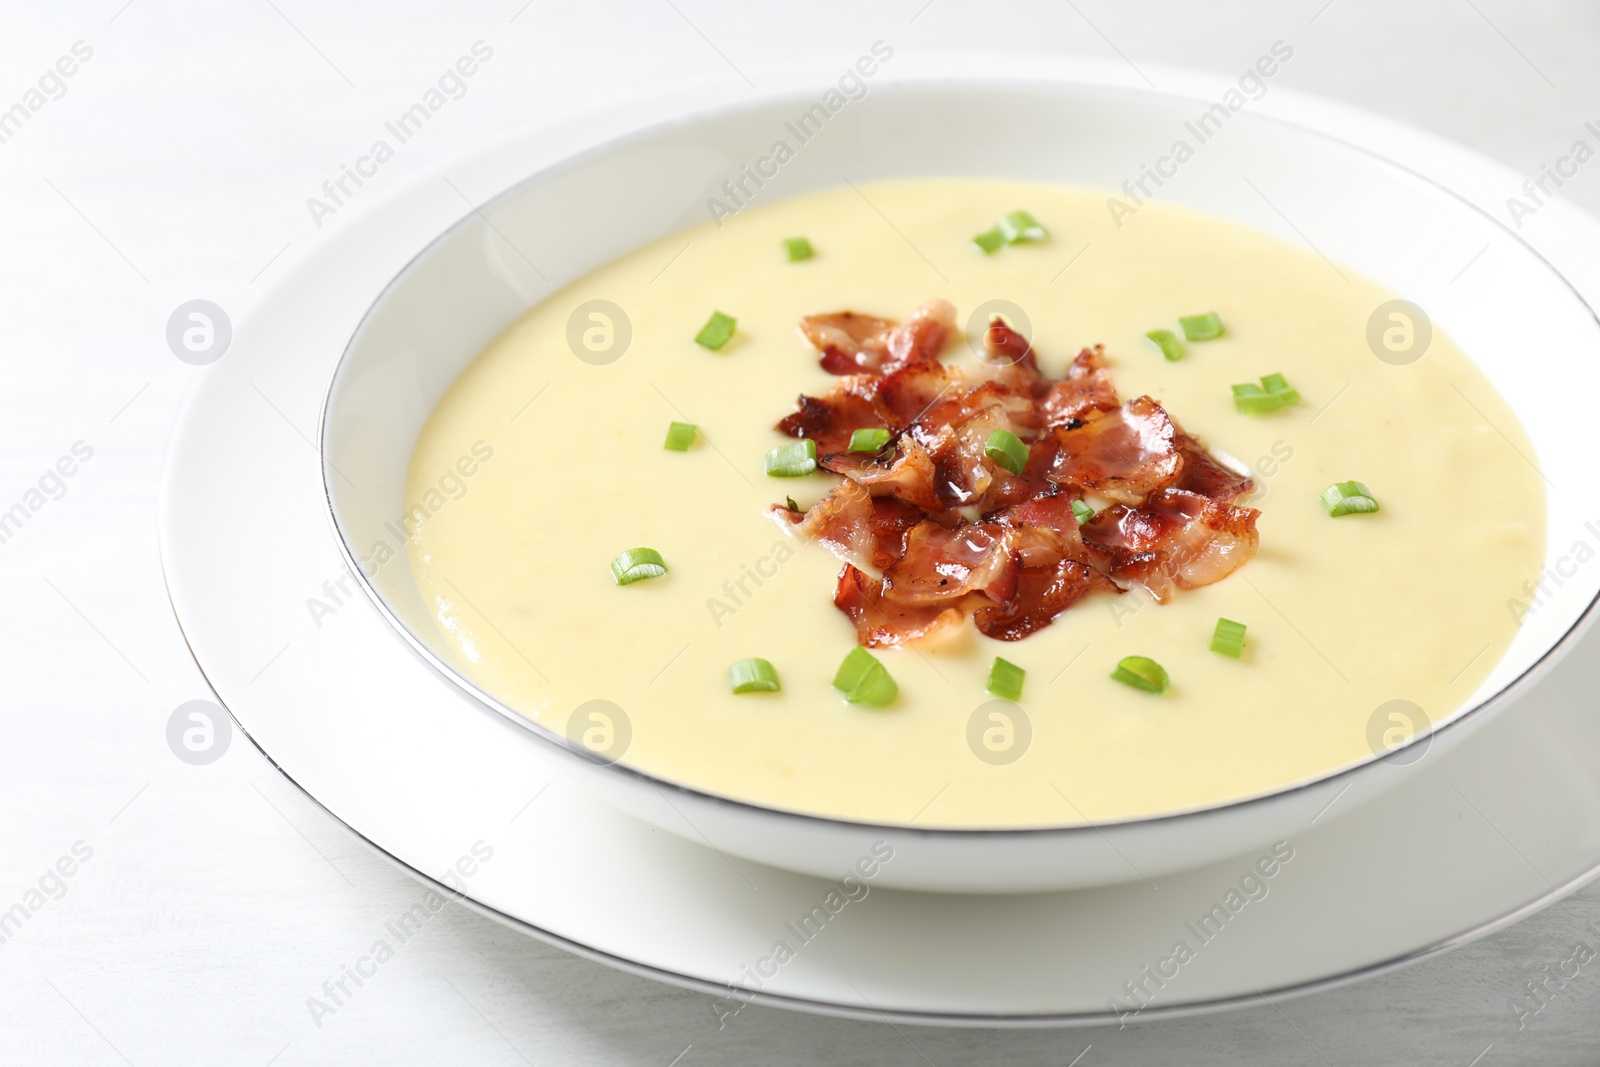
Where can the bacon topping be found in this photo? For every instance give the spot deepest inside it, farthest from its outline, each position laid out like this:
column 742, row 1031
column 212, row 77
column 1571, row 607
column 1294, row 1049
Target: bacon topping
column 907, row 475
column 942, row 565
column 841, row 522
column 1175, row 539
column 1006, row 348
column 1086, row 389
column 1125, row 454
column 849, row 342
column 1047, row 529
column 891, row 520
column 879, row 621
column 919, row 393
column 910, row 512
column 1042, row 593
column 1203, row 474
column 852, row 343
column 964, row 471
column 832, row 419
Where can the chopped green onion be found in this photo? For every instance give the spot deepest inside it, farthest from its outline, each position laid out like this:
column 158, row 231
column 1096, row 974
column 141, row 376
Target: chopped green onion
column 1273, row 393
column 717, row 331
column 1014, row 228
column 680, row 435
column 1141, row 672
column 1251, row 399
column 869, row 440
column 863, row 680
column 794, row 460
column 1019, row 227
column 637, row 564
column 1348, row 498
column 1005, row 679
column 1228, row 638
column 1007, row 449
column 1207, row 327
column 1082, row 511
column 792, row 505
column 1277, row 383
column 798, row 248
column 753, row 676
column 1167, row 341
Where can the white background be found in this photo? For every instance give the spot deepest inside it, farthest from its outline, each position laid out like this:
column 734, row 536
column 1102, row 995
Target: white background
column 218, row 899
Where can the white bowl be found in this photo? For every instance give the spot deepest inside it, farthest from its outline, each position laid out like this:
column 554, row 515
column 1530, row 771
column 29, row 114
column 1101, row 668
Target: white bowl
column 1513, row 314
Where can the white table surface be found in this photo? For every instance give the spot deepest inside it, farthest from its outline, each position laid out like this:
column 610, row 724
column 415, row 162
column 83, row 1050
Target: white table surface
column 217, row 898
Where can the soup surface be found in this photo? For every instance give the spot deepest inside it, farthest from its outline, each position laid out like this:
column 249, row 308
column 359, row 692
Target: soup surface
column 1345, row 615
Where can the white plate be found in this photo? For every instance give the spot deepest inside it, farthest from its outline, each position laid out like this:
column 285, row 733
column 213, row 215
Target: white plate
column 1503, row 821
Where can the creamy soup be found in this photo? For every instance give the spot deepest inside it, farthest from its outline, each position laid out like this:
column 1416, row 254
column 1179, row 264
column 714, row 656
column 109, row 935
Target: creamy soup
column 1344, row 614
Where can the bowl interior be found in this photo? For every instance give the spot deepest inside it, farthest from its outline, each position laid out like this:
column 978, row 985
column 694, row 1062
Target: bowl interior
column 1511, row 312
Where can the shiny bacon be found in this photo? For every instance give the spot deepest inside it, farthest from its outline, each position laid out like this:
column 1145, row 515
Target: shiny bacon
column 930, row 529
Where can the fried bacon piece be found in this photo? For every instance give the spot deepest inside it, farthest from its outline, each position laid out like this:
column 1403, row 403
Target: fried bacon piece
column 852, row 343
column 1125, row 454
column 1042, row 593
column 941, row 565
column 1008, row 350
column 1175, row 539
column 849, row 341
column 951, row 531
column 891, row 520
column 832, row 419
column 924, row 392
column 907, row 474
column 841, row 522
column 963, row 470
column 881, row 622
column 1046, row 529
column 929, row 391
column 1086, row 389
column 922, row 336
column 1203, row 474
column 866, row 531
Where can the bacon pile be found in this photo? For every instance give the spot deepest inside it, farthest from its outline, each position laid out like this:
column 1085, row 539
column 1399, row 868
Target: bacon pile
column 931, row 529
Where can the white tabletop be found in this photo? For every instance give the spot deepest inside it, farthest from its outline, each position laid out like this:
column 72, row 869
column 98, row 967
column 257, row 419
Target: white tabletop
column 175, row 163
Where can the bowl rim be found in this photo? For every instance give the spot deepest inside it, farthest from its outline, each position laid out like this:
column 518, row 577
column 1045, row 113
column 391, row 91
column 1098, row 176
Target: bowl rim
column 913, row 83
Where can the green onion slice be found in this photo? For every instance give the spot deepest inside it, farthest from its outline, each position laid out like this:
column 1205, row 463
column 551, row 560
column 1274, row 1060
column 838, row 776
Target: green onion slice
column 637, row 564
column 1167, row 341
column 753, row 676
column 1273, row 393
column 869, row 440
column 1348, row 498
column 1141, row 672
column 1082, row 511
column 1251, row 399
column 680, row 435
column 1207, row 327
column 1277, row 385
column 794, row 460
column 1019, row 227
column 717, row 331
column 792, row 505
column 863, row 680
column 798, row 248
column 1005, row 679
column 1007, row 449
column 990, row 241
column 1228, row 638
